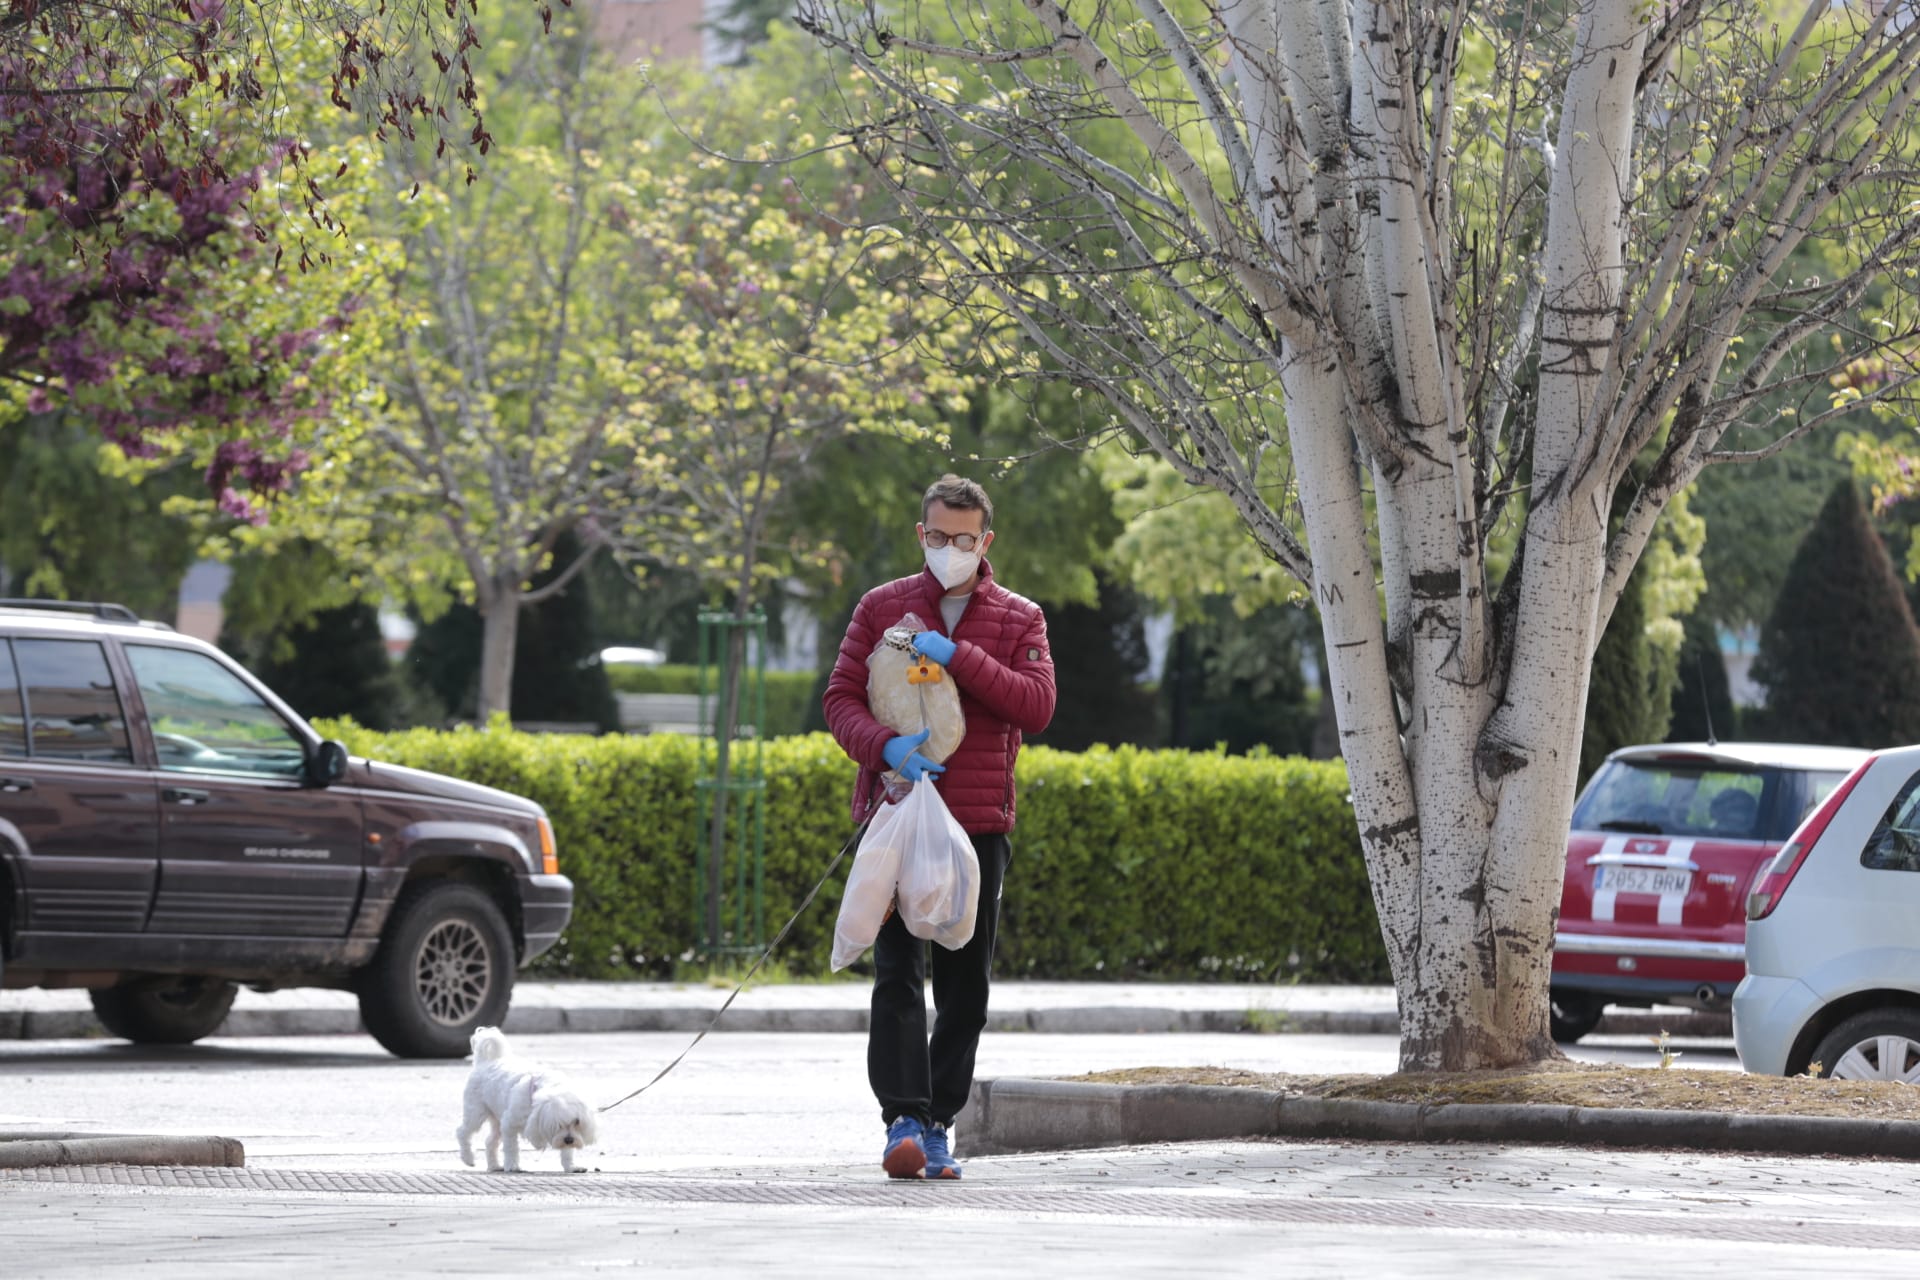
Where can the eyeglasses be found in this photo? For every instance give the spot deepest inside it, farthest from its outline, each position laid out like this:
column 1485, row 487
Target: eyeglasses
column 964, row 541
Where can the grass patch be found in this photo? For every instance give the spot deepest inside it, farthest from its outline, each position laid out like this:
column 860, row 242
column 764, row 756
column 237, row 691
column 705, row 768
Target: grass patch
column 1265, row 1022
column 727, row 974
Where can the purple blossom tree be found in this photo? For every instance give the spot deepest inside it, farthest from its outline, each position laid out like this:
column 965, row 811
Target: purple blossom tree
column 136, row 290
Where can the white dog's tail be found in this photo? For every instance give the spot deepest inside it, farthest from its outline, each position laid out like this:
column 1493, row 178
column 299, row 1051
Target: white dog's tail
column 489, row 1044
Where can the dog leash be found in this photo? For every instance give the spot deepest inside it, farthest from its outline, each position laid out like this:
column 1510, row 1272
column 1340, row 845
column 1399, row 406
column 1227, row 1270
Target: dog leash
column 777, row 940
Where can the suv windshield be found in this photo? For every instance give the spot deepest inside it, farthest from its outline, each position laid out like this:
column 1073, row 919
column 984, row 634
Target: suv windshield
column 1683, row 798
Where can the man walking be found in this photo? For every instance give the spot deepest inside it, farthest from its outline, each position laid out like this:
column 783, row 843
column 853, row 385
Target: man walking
column 993, row 645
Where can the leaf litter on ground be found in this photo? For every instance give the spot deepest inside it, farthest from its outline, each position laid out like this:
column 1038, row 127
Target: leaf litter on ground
column 1562, row 1083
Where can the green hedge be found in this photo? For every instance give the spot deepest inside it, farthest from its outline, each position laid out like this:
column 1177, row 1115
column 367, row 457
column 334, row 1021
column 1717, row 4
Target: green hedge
column 1127, row 863
column 789, row 693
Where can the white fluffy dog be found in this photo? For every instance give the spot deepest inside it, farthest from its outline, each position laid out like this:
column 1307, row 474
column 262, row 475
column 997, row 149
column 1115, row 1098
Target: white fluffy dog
column 520, row 1099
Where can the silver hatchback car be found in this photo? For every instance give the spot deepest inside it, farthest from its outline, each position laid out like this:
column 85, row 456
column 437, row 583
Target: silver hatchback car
column 1833, row 936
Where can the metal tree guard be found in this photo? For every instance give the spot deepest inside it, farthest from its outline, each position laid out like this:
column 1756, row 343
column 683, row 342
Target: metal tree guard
column 730, row 861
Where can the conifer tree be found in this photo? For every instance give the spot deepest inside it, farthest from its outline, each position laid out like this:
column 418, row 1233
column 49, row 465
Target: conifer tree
column 1840, row 657
column 1100, row 661
column 557, row 676
column 1702, row 706
column 335, row 663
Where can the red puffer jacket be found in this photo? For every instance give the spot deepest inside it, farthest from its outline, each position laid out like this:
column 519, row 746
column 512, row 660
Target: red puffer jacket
column 1003, row 671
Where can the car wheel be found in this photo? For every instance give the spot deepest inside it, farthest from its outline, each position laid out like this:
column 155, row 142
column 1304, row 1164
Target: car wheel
column 445, row 968
column 1572, row 1014
column 170, row 1010
column 1881, row 1044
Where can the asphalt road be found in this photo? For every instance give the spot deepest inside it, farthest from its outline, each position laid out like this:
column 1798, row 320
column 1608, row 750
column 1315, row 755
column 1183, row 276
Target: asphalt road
column 738, row 1099
column 757, row 1157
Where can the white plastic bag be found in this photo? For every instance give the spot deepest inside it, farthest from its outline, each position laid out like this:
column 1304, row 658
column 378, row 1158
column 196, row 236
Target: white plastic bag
column 871, row 885
column 916, row 856
column 906, row 707
column 939, row 871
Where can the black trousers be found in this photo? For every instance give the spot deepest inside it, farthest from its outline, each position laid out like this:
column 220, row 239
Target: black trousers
column 911, row 1074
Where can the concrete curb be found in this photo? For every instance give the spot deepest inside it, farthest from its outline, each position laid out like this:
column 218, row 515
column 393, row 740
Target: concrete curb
column 549, row 1020
column 1089, row 1020
column 34, row 1150
column 1641, row 1022
column 1013, row 1115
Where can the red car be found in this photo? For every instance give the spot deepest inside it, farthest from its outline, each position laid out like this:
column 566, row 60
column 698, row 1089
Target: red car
column 1667, row 841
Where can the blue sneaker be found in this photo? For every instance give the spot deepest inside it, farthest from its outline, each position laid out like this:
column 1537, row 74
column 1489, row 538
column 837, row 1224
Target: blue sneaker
column 906, row 1153
column 940, row 1155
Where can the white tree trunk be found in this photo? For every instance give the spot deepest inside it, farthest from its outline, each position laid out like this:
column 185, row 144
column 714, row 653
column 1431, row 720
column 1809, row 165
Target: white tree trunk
column 1464, row 813
column 1317, row 241
column 499, row 636
column 1531, row 751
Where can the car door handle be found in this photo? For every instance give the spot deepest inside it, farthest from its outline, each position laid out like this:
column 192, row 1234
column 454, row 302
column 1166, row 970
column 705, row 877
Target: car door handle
column 16, row 784
column 185, row 795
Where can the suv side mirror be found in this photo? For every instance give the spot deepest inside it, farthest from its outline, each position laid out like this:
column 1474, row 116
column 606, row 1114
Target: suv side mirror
column 327, row 764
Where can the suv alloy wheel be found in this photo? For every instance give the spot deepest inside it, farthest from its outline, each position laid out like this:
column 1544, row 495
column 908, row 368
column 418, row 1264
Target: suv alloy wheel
column 444, row 969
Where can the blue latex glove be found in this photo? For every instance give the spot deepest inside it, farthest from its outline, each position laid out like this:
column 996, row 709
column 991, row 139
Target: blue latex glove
column 902, row 756
column 931, row 644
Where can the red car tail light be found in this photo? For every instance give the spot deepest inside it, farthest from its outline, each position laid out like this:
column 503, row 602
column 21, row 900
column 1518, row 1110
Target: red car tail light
column 1780, row 872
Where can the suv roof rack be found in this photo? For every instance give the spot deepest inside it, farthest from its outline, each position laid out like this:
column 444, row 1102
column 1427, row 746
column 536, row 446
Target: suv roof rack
column 94, row 608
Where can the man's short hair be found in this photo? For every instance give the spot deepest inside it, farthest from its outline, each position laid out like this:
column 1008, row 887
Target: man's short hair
column 962, row 495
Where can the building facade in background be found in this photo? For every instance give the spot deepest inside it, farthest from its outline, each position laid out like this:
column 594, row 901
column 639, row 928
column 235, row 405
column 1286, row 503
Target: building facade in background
column 656, row 30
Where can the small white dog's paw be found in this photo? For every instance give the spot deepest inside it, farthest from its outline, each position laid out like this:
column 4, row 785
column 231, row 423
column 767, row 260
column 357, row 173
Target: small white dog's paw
column 466, row 1158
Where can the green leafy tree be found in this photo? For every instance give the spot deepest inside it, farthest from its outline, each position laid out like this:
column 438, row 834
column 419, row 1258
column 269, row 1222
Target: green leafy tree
column 1236, row 680
column 612, row 333
column 1840, row 657
column 1756, row 515
column 154, row 296
column 1053, row 515
column 741, row 26
column 1185, row 548
column 157, row 68
column 1622, row 704
column 1636, row 665
column 74, row 525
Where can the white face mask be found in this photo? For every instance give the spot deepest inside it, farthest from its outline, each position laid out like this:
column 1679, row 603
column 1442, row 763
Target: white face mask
column 952, row 565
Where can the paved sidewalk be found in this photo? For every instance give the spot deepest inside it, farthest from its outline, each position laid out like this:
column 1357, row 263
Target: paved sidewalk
column 1256, row 1210
column 1057, row 1008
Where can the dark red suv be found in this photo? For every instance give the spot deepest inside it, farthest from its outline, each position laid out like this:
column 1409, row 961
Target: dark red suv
column 169, row 829
column 1667, row 842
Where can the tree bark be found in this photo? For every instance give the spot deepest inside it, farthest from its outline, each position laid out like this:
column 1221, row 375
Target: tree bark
column 499, row 636
column 1433, row 386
